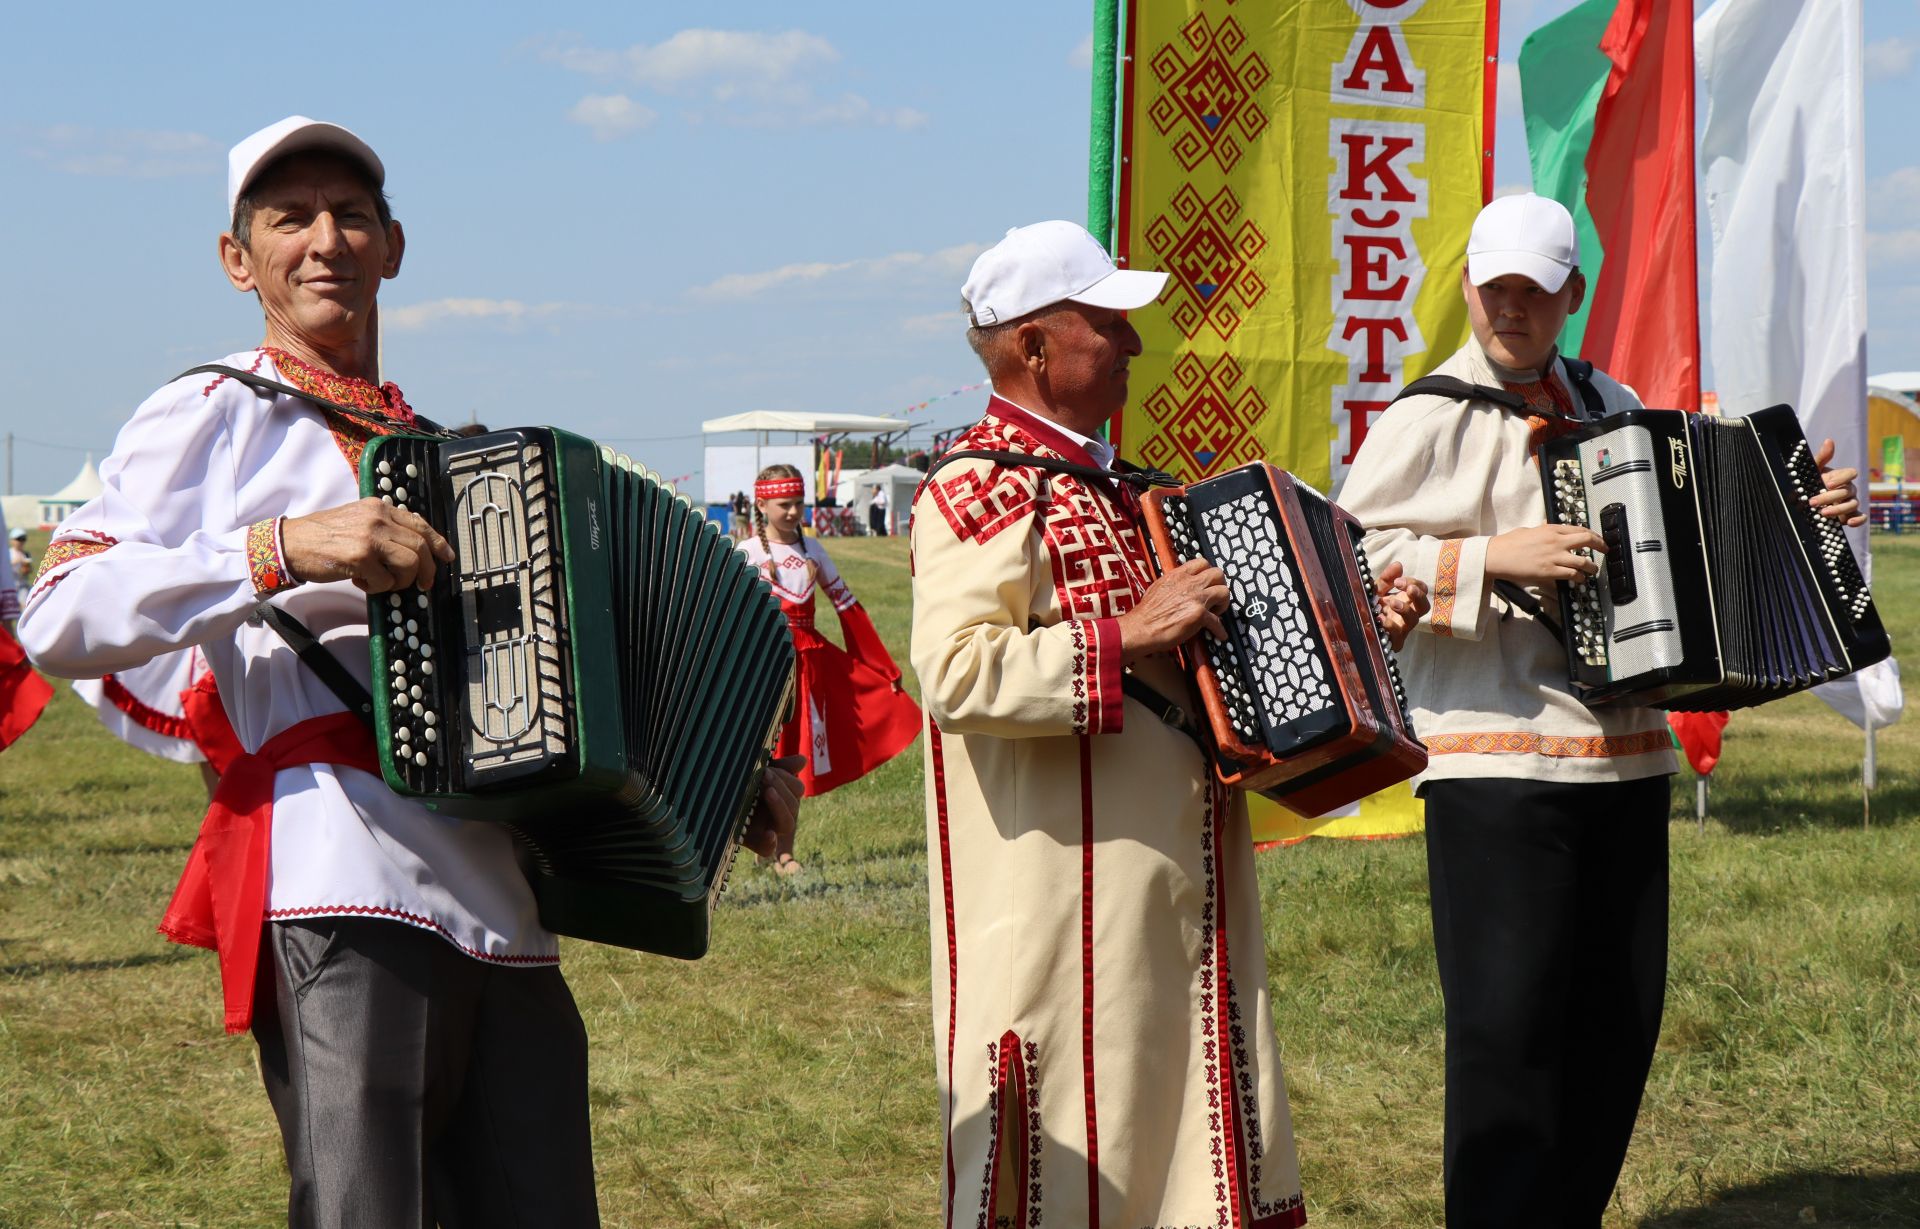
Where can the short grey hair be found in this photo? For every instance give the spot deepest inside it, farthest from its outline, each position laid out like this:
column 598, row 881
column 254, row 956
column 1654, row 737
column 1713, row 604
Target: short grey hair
column 990, row 342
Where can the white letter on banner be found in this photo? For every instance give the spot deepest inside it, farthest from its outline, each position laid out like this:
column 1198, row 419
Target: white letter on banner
column 1374, row 198
column 1378, row 70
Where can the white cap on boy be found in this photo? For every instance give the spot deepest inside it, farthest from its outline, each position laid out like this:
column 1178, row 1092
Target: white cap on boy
column 1524, row 234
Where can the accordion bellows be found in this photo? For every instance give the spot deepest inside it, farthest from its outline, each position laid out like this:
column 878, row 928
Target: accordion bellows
column 599, row 669
column 1304, row 698
column 1720, row 587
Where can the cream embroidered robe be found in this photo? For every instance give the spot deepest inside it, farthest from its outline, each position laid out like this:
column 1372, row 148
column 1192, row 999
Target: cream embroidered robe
column 1104, row 1044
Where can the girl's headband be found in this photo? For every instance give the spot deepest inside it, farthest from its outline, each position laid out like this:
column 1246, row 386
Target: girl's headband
column 779, row 488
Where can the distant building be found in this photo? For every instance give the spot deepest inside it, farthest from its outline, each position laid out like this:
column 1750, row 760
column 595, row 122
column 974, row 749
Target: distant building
column 46, row 511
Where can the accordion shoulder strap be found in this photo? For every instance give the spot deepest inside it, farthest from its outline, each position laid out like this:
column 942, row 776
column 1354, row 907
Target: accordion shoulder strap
column 324, row 664
column 1134, row 476
column 260, row 384
column 1170, row 713
column 1459, row 390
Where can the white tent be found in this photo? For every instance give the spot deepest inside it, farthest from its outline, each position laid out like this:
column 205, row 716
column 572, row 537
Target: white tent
column 64, row 502
column 900, row 482
column 804, row 424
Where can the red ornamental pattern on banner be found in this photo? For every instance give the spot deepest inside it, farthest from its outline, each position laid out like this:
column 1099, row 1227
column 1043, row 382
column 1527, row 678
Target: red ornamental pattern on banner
column 1209, row 93
column 1209, row 249
column 1205, row 420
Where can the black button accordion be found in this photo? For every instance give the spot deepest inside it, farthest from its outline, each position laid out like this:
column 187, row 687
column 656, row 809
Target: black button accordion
column 599, row 669
column 1721, row 587
column 1303, row 698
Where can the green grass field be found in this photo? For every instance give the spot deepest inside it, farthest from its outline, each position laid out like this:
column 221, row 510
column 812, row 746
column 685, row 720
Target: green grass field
column 787, row 1079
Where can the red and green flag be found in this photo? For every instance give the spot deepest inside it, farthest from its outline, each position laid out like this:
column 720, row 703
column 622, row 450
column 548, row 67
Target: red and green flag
column 1607, row 91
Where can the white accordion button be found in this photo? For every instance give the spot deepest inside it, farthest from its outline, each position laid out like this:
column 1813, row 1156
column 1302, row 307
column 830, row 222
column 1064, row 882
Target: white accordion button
column 422, row 600
column 403, row 734
column 416, row 709
column 413, row 642
column 432, row 719
column 426, row 650
column 400, row 493
column 426, row 667
column 384, row 468
column 414, row 691
column 412, row 627
column 413, row 471
column 432, row 735
column 420, row 758
column 386, row 484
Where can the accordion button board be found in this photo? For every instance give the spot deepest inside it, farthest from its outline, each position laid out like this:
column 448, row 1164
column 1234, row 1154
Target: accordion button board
column 599, row 669
column 1721, row 587
column 1304, row 697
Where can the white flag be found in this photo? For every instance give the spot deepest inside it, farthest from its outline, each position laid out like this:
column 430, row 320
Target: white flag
column 1785, row 164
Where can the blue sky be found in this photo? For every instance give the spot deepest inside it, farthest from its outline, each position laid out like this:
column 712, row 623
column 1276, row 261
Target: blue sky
column 622, row 218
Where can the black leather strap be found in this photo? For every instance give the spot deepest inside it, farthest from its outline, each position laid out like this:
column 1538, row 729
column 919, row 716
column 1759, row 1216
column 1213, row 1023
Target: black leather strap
column 273, row 388
column 1580, row 370
column 1166, row 710
column 324, row 664
column 1134, row 476
column 1460, row 390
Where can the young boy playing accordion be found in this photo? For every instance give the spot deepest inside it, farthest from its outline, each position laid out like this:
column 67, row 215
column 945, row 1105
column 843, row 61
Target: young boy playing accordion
column 1546, row 820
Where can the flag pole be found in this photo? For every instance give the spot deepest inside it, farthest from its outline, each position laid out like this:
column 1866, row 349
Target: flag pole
column 1101, row 132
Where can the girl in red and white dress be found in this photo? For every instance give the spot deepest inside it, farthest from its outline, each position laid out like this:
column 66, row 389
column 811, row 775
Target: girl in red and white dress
column 851, row 714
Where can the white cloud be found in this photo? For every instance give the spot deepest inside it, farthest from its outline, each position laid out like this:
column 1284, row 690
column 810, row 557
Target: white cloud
column 1893, row 246
column 434, row 311
column 950, row 263
column 1507, row 88
column 134, row 153
column 721, row 64
column 935, row 324
column 1082, row 54
column 611, row 116
column 1895, row 196
column 1511, row 189
column 1890, row 57
column 740, row 77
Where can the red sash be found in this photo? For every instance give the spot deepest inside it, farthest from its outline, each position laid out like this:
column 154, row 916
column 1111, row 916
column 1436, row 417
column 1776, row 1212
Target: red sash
column 221, row 902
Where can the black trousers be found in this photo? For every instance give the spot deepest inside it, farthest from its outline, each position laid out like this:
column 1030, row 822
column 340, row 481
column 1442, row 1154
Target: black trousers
column 417, row 1086
column 1550, row 926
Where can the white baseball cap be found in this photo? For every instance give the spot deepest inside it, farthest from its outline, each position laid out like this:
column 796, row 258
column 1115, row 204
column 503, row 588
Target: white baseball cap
column 1524, row 234
column 18, row 535
column 1046, row 263
column 292, row 135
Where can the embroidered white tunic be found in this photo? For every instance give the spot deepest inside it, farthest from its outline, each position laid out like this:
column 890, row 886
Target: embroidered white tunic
column 1435, row 480
column 171, row 554
column 1102, row 1030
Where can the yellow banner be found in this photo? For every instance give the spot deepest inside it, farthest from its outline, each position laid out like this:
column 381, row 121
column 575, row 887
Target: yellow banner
column 1307, row 171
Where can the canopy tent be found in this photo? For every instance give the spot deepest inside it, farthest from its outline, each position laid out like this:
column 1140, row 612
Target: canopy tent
column 728, row 469
column 1905, row 382
column 804, row 424
column 900, row 483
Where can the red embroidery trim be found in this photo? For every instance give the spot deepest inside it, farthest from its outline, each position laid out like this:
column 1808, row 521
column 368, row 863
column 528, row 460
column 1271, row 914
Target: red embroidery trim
column 264, row 562
column 350, row 435
column 142, row 714
column 1557, row 746
column 259, row 356
column 1086, row 979
column 1446, row 587
column 936, row 749
column 401, row 915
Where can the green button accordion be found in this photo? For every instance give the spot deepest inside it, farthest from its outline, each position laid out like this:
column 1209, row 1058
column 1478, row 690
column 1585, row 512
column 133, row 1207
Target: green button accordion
column 598, row 669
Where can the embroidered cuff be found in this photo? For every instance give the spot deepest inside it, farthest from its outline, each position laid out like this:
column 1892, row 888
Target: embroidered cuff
column 1106, row 705
column 267, row 559
column 1459, row 587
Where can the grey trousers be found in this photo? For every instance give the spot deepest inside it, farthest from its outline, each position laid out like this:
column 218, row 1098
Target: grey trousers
column 417, row 1086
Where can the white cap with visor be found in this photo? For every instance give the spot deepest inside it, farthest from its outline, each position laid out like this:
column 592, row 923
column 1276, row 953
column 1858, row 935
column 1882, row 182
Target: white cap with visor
column 294, row 134
column 1523, row 234
column 1046, row 263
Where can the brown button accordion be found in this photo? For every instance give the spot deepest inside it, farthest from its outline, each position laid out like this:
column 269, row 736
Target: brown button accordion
column 1303, row 697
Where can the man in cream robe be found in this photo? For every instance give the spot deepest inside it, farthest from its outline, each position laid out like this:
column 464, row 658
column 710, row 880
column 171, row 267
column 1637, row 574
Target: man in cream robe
column 1103, row 1039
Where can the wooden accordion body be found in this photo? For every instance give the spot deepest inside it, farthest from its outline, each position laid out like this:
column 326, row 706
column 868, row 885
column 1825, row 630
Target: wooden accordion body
column 1720, row 587
column 1303, row 698
column 599, row 669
